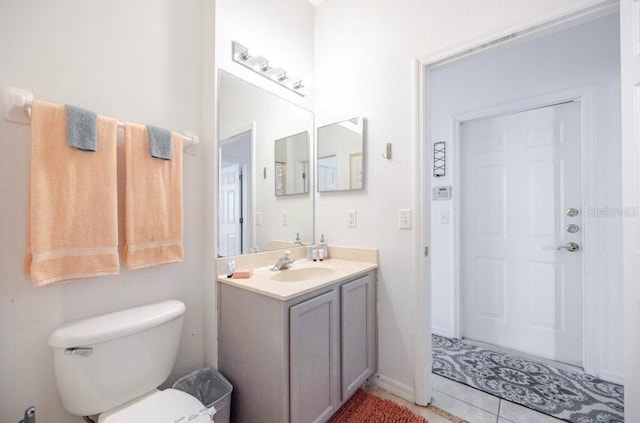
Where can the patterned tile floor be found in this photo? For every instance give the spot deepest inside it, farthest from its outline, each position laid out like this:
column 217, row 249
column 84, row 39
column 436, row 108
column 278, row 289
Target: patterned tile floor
column 508, row 380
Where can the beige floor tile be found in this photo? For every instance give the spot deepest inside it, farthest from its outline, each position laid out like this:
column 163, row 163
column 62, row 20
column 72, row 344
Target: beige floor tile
column 466, row 393
column 519, row 414
column 431, row 413
column 462, row 409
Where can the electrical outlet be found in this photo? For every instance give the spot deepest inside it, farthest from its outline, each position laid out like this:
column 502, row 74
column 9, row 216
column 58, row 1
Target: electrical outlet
column 258, row 218
column 285, row 218
column 352, row 218
column 404, row 219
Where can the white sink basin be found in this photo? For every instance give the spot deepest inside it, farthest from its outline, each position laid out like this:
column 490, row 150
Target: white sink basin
column 301, row 274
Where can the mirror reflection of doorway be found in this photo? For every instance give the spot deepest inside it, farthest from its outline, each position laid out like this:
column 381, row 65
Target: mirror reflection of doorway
column 235, row 185
column 301, row 182
column 327, row 173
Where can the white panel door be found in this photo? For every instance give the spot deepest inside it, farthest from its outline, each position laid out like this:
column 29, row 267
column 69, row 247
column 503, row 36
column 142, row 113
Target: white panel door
column 630, row 61
column 519, row 175
column 230, row 212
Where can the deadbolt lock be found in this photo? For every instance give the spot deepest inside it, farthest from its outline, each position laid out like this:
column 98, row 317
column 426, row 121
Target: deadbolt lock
column 572, row 228
column 571, row 212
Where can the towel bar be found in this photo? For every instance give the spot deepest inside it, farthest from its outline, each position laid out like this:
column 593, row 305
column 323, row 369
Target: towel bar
column 17, row 108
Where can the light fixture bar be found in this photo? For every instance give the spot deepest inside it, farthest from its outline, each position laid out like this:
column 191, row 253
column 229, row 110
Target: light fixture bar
column 263, row 66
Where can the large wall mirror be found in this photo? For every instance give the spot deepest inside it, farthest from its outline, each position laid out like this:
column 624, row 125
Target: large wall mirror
column 341, row 156
column 264, row 146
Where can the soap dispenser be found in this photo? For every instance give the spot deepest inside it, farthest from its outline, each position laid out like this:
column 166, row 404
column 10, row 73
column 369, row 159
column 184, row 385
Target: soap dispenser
column 323, row 250
column 297, row 242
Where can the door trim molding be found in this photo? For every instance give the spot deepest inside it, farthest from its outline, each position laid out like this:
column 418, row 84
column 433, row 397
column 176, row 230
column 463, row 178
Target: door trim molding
column 553, row 20
column 585, row 95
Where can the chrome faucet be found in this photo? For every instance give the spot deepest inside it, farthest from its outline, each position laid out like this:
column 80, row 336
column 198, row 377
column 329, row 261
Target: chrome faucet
column 284, row 262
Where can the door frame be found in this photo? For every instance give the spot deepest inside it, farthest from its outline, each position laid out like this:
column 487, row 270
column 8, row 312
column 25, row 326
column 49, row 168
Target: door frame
column 553, row 20
column 585, row 95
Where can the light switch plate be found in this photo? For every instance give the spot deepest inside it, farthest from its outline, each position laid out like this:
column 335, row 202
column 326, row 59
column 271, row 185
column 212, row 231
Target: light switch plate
column 258, row 218
column 285, row 218
column 352, row 218
column 404, row 218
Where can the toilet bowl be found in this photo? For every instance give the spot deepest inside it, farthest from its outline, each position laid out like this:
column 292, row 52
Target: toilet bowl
column 111, row 366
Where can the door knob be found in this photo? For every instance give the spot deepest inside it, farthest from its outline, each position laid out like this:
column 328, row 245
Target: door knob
column 569, row 246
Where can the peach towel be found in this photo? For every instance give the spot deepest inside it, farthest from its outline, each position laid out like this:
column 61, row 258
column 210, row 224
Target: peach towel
column 153, row 201
column 72, row 229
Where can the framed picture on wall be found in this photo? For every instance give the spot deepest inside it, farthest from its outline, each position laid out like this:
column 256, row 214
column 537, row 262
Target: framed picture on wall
column 281, row 178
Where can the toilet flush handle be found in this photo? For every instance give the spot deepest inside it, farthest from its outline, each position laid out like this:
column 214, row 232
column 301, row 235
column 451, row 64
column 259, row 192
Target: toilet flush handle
column 81, row 351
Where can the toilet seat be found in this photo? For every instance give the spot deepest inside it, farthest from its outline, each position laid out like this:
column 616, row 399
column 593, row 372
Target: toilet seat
column 168, row 406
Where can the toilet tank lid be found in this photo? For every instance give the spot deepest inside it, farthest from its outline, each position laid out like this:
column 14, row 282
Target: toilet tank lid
column 115, row 325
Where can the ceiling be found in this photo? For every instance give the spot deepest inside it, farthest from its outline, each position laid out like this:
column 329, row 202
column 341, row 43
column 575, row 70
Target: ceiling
column 316, row 2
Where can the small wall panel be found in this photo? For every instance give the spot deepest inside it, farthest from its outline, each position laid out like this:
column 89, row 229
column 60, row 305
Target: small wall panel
column 546, row 295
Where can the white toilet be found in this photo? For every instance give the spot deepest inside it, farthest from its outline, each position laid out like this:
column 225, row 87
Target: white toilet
column 112, row 364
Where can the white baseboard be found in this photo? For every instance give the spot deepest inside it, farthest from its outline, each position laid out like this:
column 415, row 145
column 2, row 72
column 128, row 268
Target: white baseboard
column 447, row 333
column 398, row 389
column 614, row 377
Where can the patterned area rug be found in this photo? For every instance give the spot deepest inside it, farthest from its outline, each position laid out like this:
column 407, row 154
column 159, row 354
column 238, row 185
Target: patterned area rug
column 363, row 407
column 570, row 396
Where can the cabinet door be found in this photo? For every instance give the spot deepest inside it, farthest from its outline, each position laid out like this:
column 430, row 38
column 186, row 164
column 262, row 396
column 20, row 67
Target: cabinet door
column 358, row 333
column 314, row 359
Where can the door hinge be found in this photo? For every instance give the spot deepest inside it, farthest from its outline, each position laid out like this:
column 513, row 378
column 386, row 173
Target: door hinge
column 426, row 251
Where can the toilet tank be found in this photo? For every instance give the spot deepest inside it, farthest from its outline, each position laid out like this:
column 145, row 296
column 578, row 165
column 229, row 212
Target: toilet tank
column 107, row 360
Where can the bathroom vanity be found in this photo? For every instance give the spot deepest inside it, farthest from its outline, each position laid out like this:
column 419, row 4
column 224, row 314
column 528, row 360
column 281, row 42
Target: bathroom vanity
column 297, row 343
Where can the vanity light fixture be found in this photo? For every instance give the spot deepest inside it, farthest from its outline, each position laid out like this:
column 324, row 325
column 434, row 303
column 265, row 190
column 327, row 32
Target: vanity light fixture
column 262, row 66
column 245, row 56
column 266, row 67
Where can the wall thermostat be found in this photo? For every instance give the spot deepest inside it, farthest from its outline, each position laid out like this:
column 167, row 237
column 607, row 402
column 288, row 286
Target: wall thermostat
column 442, row 193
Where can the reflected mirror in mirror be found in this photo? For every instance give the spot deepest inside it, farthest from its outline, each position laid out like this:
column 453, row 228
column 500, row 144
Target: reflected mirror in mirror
column 292, row 164
column 340, row 156
column 251, row 217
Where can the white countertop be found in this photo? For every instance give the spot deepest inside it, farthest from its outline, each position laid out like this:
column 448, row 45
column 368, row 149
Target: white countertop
column 262, row 283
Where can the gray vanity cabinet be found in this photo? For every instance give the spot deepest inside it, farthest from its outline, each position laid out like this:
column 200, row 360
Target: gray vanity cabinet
column 314, row 360
column 299, row 360
column 357, row 306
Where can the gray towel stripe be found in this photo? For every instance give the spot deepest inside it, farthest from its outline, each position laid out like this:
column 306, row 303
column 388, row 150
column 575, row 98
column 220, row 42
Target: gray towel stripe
column 160, row 144
column 82, row 128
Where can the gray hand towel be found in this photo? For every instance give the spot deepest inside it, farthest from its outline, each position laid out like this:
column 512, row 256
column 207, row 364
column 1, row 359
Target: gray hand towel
column 82, row 128
column 160, row 145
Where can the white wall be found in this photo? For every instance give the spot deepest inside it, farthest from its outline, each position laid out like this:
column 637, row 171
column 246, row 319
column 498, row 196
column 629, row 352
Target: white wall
column 365, row 65
column 588, row 54
column 280, row 30
column 137, row 61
